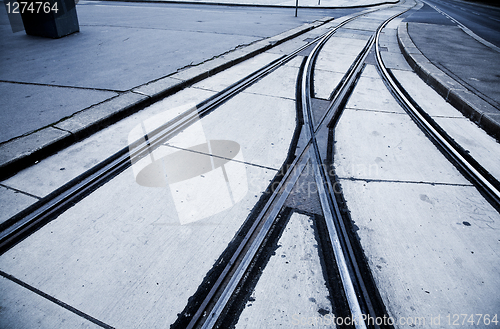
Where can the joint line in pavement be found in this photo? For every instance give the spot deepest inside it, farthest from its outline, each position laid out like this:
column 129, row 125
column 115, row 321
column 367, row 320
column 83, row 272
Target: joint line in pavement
column 370, row 180
column 55, row 300
column 220, row 157
column 19, row 191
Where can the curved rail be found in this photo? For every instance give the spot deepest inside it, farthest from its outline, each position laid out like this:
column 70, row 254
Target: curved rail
column 473, row 170
column 268, row 215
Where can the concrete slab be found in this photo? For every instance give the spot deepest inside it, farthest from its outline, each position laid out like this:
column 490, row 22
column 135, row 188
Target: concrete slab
column 204, row 69
column 432, row 103
column 227, row 77
column 338, row 54
column 339, row 63
column 22, row 309
column 111, row 63
column 483, row 148
column 377, row 149
column 55, row 171
column 473, row 139
column 18, row 148
column 296, row 62
column 370, row 70
column 155, row 88
column 343, row 45
column 281, row 83
column 325, row 82
column 13, row 202
column 97, row 115
column 390, row 46
column 365, row 24
column 396, row 61
column 368, row 85
column 292, row 290
column 433, row 250
column 353, row 34
column 262, row 125
column 287, row 47
column 44, row 105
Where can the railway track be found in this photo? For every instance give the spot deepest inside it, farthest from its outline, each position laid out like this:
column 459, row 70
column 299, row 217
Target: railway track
column 358, row 296
column 360, row 302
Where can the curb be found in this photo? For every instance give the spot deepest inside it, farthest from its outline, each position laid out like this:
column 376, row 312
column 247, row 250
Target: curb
column 469, row 104
column 27, row 150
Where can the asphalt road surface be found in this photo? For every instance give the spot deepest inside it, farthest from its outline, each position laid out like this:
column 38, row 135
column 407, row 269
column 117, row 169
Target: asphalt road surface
column 482, row 20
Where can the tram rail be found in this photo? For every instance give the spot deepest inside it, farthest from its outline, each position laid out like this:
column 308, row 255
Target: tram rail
column 210, row 311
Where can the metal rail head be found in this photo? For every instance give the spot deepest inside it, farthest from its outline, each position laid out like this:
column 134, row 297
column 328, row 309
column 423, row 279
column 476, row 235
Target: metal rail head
column 328, row 203
column 347, row 284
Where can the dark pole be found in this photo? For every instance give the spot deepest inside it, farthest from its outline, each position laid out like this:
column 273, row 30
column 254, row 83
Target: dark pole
column 296, row 7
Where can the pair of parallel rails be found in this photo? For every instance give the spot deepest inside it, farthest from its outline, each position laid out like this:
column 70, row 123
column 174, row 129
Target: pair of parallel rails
column 357, row 297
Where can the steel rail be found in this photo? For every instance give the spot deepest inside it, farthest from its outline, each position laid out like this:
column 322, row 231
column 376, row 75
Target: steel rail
column 325, row 201
column 273, row 209
column 310, row 153
column 479, row 175
column 346, row 260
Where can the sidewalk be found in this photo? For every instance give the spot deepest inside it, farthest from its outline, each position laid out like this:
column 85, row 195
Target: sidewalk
column 463, row 70
column 126, row 56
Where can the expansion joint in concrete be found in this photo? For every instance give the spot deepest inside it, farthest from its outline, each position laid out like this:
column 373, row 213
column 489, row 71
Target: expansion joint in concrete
column 55, row 300
column 220, row 157
column 20, row 191
column 368, row 180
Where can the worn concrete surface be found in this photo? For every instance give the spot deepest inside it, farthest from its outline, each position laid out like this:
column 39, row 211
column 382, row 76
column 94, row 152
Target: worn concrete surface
column 18, row 301
column 291, row 290
column 333, row 61
column 13, row 202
